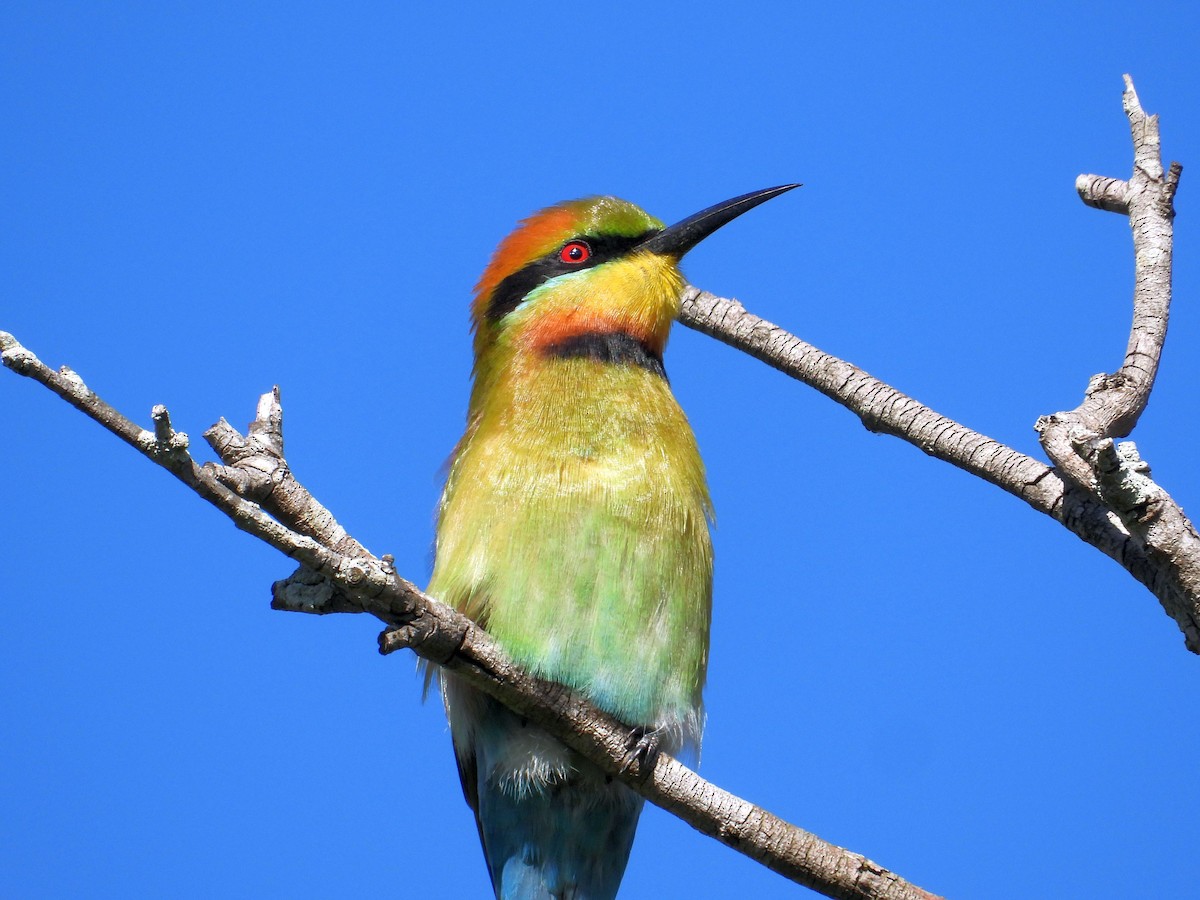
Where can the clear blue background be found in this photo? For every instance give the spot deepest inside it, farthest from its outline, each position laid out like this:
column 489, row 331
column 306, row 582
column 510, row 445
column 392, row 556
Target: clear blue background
column 200, row 203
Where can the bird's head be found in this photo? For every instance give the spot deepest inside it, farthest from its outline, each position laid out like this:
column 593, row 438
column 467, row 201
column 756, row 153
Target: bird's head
column 593, row 267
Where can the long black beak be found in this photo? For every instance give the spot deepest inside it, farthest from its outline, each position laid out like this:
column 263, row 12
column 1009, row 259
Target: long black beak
column 683, row 236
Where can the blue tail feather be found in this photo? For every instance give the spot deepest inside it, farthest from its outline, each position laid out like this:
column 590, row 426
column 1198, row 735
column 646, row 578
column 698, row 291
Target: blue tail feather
column 553, row 826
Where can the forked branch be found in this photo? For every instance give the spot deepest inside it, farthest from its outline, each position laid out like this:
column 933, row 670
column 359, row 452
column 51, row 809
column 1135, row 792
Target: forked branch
column 1113, row 402
column 1148, row 534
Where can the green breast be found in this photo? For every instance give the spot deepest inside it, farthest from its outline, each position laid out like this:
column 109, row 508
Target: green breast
column 575, row 527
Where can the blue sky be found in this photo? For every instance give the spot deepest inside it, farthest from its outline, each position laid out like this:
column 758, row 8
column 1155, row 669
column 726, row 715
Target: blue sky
column 199, row 203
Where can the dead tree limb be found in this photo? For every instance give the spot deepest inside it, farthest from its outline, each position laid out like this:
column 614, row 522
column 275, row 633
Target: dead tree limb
column 338, row 575
column 1089, row 490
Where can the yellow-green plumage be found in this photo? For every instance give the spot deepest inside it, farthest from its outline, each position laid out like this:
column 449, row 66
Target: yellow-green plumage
column 574, row 519
column 574, row 528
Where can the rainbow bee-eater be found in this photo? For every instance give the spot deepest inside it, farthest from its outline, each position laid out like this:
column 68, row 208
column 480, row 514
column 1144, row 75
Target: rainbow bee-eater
column 574, row 527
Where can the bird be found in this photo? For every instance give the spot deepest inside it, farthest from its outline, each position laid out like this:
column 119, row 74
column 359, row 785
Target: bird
column 574, row 527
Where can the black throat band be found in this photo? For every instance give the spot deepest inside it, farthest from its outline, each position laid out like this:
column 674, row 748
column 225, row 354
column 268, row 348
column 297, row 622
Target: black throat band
column 615, row 347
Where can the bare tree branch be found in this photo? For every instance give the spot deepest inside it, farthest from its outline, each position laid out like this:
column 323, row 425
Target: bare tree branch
column 1100, row 491
column 1113, row 402
column 885, row 410
column 333, row 581
column 256, row 469
column 1153, row 540
column 1123, row 481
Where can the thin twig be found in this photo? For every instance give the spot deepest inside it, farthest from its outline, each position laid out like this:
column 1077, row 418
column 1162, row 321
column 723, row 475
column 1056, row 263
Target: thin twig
column 255, row 468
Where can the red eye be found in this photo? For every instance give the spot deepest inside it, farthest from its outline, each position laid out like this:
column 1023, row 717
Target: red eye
column 575, row 252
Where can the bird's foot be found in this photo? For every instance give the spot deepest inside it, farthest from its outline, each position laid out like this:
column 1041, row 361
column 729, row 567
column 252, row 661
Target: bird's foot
column 642, row 746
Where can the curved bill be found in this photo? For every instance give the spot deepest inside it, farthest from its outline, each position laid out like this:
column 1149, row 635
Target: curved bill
column 683, row 236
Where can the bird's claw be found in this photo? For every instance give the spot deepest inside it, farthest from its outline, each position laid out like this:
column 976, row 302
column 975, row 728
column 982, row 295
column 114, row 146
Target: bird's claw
column 641, row 749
